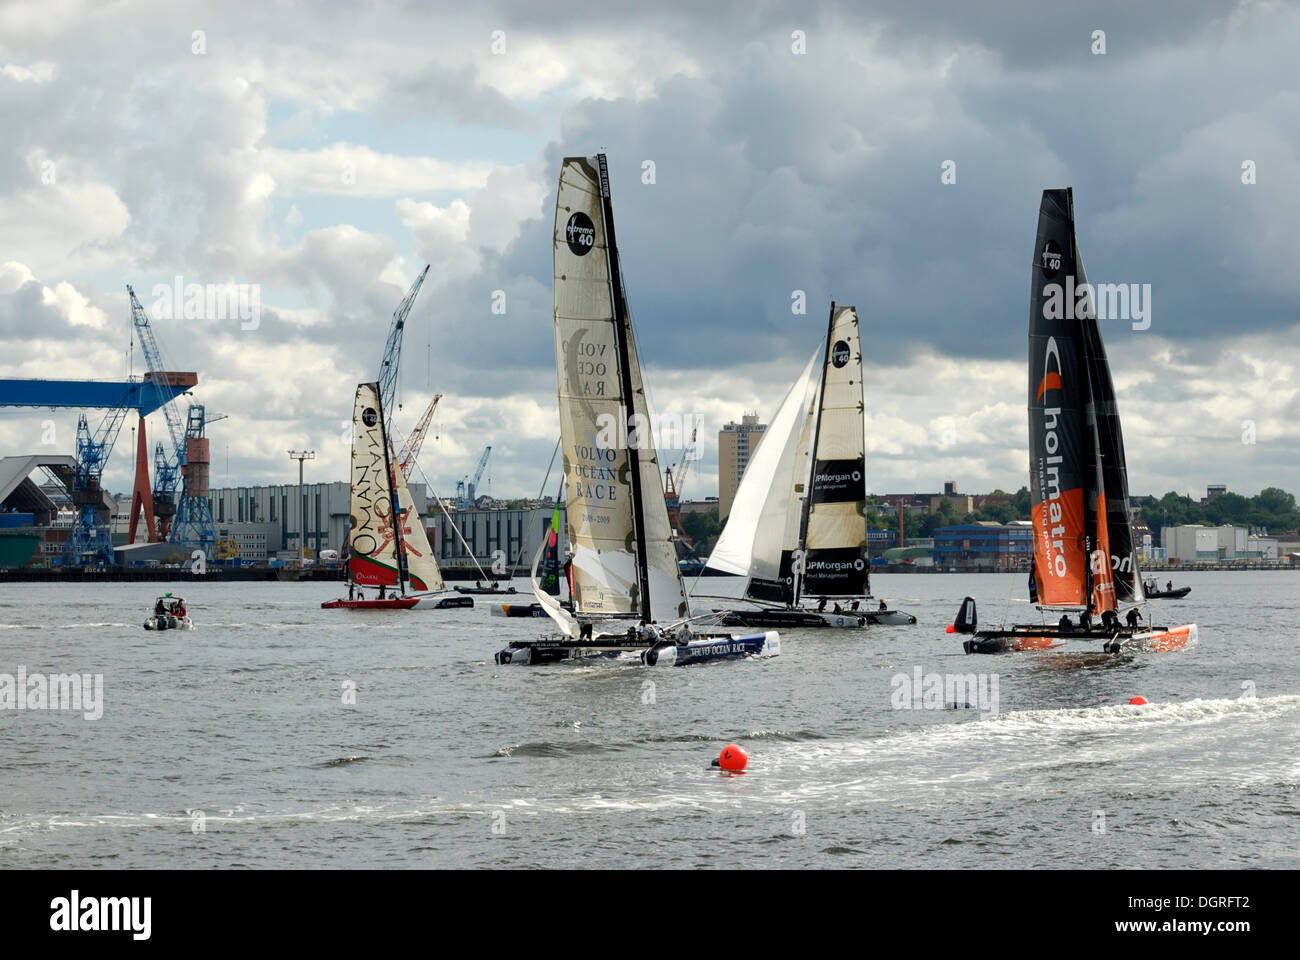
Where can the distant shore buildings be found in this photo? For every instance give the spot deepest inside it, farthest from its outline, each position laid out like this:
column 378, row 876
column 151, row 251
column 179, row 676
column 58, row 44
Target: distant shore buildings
column 736, row 444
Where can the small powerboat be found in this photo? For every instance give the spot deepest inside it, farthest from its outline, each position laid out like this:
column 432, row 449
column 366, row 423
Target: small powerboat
column 169, row 613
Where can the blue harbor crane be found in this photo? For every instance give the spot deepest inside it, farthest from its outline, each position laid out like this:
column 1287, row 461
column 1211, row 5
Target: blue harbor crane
column 193, row 527
column 464, row 496
column 393, row 351
column 89, row 541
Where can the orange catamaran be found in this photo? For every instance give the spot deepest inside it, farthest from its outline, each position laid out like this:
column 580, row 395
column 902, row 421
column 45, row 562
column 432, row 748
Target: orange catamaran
column 1084, row 558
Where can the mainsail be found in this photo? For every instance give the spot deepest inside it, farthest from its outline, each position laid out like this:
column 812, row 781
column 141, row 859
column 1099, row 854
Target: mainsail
column 835, row 559
column 1116, row 552
column 374, row 548
column 623, row 555
column 762, row 528
column 421, row 567
column 1082, row 541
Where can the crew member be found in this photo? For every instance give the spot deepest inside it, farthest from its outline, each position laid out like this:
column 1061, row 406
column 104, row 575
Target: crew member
column 158, row 608
column 1064, row 624
column 1170, row 586
column 821, row 605
column 883, row 607
column 1133, row 617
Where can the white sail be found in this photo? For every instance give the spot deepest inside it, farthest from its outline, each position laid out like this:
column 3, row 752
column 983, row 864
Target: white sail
column 372, row 541
column 765, row 505
column 597, row 487
column 801, row 470
column 421, row 567
column 667, row 589
column 835, row 538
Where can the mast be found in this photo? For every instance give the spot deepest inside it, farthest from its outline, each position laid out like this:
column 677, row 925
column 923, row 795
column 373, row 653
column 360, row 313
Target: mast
column 396, row 516
column 621, row 323
column 812, row 459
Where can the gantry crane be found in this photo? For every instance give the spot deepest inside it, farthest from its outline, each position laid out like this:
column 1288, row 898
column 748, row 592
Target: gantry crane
column 672, row 491
column 167, row 460
column 89, row 541
column 464, row 493
column 193, row 528
column 411, row 448
column 392, row 359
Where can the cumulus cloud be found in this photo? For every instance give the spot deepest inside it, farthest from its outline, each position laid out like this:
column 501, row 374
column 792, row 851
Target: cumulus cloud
column 327, row 159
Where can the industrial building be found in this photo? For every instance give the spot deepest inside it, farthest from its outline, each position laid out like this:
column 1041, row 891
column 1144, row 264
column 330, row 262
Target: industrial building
column 508, row 537
column 258, row 523
column 1189, row 543
column 984, row 546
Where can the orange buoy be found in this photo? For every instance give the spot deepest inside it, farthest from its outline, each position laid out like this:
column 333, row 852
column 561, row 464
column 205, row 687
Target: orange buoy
column 950, row 629
column 733, row 757
column 1138, row 701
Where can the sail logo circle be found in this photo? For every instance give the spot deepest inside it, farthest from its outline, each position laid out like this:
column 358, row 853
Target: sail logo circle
column 369, row 417
column 1051, row 259
column 580, row 234
column 839, row 354
column 857, row 475
column 858, row 564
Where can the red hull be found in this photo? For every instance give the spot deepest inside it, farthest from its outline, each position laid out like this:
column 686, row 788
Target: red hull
column 390, row 603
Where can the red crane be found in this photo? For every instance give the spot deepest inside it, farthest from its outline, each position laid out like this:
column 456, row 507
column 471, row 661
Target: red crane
column 411, row 448
column 672, row 488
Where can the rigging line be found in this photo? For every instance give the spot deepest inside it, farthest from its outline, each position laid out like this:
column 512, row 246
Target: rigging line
column 523, row 546
column 469, row 550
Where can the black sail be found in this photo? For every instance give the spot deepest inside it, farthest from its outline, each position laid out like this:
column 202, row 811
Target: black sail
column 1058, row 392
column 1120, row 548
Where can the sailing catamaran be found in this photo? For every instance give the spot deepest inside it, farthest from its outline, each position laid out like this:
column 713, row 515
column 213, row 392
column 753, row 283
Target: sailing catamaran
column 382, row 554
column 626, row 588
column 793, row 543
column 1084, row 557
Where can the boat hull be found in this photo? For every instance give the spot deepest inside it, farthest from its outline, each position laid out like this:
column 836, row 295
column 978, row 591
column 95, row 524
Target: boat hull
column 486, row 590
column 790, row 619
column 1169, row 594
column 1156, row 640
column 702, row 649
column 168, row 622
column 388, row 603
column 435, row 601
column 518, row 610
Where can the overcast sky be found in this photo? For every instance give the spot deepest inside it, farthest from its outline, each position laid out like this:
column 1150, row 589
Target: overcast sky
column 325, row 155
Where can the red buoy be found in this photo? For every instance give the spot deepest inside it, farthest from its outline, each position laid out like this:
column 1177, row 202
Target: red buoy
column 1138, row 701
column 733, row 757
column 950, row 629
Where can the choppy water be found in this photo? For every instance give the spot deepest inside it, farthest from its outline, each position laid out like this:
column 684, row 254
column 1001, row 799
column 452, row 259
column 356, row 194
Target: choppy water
column 240, row 728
